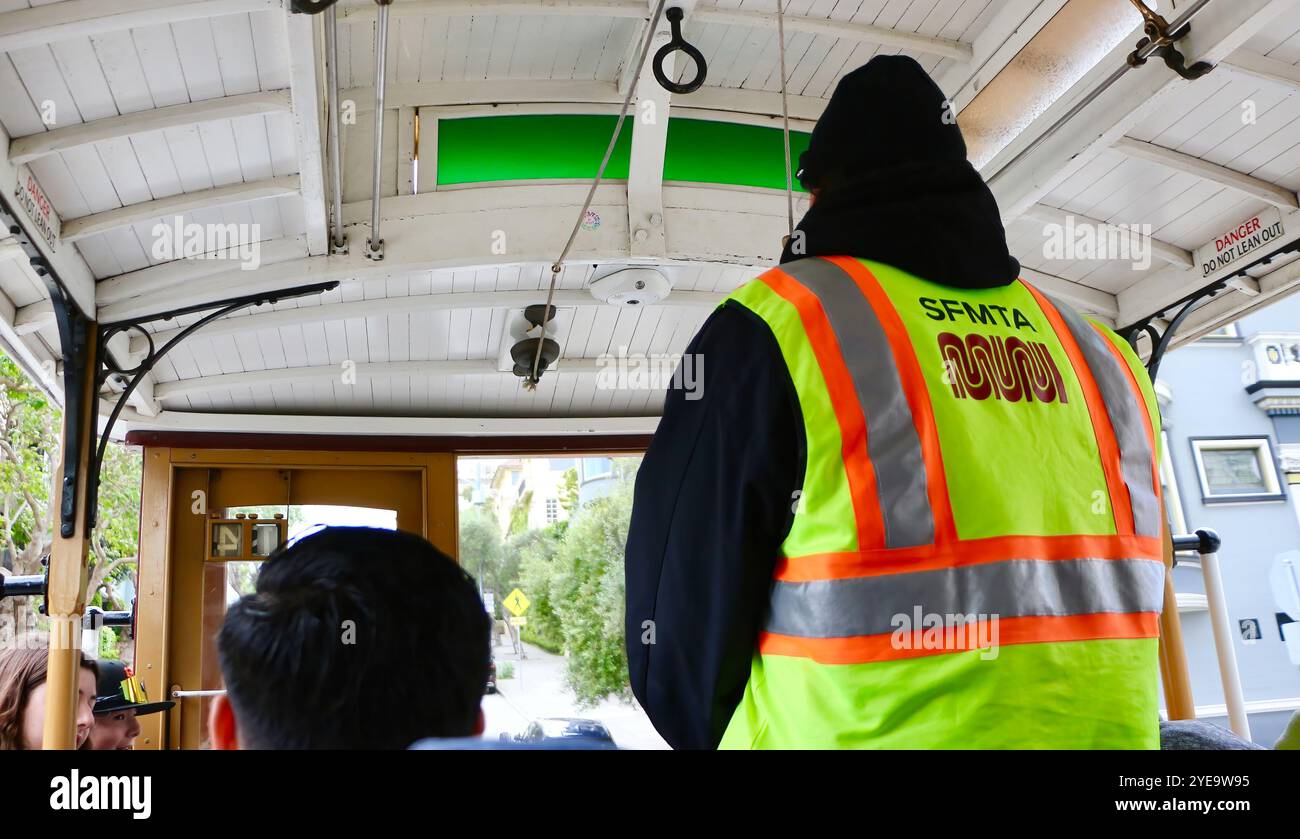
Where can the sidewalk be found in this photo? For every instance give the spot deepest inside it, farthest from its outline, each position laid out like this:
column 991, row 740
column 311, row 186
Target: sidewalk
column 538, row 690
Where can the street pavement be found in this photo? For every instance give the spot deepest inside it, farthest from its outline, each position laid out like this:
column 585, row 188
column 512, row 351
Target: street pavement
column 537, row 689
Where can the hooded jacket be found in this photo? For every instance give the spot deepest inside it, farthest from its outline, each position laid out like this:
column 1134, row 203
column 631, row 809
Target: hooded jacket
column 715, row 493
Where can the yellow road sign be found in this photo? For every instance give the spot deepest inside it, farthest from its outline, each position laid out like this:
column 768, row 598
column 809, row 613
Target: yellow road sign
column 516, row 602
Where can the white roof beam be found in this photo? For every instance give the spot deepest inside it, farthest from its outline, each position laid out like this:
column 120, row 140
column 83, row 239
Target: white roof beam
column 480, row 92
column 1162, row 289
column 1160, row 249
column 1029, row 168
column 175, row 205
column 363, row 370
column 840, row 29
column 1262, row 68
column 455, row 228
column 307, row 126
column 25, row 149
column 34, row 317
column 327, row 312
column 67, row 263
column 1010, row 29
column 77, row 18
column 181, row 271
column 627, row 67
column 843, row 30
column 1088, row 299
column 71, row 270
column 1182, row 162
column 531, row 426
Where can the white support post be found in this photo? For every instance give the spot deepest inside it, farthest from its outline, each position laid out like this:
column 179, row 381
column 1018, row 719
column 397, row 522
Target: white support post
column 1220, row 621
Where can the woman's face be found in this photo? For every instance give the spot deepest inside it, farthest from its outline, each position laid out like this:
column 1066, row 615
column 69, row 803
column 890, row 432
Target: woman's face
column 34, row 712
column 115, row 730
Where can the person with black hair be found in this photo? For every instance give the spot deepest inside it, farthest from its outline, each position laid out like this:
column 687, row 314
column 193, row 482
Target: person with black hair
column 355, row 638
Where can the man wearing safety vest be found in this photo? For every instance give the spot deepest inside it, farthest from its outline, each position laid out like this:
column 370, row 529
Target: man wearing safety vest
column 914, row 503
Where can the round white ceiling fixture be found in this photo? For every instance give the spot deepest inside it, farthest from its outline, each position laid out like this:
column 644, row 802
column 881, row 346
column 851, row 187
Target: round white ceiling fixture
column 631, row 287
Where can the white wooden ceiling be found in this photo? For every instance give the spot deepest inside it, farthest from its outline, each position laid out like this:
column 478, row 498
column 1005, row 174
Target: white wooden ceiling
column 247, row 146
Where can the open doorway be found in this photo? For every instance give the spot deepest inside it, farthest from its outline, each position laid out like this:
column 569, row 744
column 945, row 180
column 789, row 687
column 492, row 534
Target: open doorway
column 543, row 536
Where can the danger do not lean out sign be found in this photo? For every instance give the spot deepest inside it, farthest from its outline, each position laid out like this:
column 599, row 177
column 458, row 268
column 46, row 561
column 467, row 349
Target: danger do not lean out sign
column 34, row 202
column 1253, row 235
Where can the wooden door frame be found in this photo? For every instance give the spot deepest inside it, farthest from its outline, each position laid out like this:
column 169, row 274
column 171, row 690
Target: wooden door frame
column 170, row 562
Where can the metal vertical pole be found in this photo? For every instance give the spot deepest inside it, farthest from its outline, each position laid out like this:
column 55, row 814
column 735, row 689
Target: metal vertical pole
column 1179, row 703
column 66, row 597
column 375, row 245
column 338, row 244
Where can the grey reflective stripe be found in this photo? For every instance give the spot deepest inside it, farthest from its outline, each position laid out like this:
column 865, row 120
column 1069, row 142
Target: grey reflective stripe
column 1008, row 589
column 1128, row 416
column 892, row 443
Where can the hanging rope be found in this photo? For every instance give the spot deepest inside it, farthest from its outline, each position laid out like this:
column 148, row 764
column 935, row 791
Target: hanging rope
column 785, row 120
column 530, row 383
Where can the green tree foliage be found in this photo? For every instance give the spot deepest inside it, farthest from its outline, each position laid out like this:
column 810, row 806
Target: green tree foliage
column 536, row 550
column 569, row 490
column 29, row 457
column 586, row 594
column 519, row 513
column 482, row 550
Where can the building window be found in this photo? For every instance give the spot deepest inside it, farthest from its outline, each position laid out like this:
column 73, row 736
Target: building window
column 1236, row 469
column 1227, row 332
column 552, row 510
column 594, row 468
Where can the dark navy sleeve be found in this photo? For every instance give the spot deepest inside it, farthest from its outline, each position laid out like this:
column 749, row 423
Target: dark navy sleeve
column 714, row 500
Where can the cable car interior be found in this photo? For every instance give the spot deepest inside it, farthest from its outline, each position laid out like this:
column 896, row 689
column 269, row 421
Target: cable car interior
column 328, row 254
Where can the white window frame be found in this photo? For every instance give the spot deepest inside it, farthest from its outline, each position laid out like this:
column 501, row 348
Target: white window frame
column 1263, row 446
column 552, row 510
column 1227, row 332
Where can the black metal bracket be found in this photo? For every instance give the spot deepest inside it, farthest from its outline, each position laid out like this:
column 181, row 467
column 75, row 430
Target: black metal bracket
column 1204, row 541
column 1157, row 32
column 675, row 16
column 107, row 368
column 1160, row 340
column 310, row 7
column 77, row 331
column 75, row 328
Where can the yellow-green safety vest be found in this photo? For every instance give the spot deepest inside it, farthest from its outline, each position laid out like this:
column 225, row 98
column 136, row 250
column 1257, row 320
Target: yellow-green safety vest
column 975, row 559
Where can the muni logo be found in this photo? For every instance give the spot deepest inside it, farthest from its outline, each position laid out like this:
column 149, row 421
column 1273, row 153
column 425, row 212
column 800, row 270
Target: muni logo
column 978, row 366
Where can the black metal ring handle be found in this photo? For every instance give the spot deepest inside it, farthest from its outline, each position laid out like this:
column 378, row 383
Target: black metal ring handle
column 677, row 43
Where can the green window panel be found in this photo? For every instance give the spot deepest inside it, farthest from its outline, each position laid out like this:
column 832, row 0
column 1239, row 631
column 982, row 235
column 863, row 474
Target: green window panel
column 564, row 146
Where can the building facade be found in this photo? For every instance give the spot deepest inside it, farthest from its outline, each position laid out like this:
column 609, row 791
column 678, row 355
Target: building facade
column 1230, row 406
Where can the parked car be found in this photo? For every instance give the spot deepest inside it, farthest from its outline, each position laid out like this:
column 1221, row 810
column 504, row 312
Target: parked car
column 566, row 729
column 492, row 676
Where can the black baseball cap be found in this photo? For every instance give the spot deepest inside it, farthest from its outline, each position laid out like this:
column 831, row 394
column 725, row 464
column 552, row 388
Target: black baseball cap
column 119, row 690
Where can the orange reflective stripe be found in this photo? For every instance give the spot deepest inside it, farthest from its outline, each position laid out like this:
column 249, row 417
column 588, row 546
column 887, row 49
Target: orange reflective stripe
column 1142, row 405
column 1107, row 445
column 838, row 566
column 848, row 411
column 863, row 649
column 918, row 395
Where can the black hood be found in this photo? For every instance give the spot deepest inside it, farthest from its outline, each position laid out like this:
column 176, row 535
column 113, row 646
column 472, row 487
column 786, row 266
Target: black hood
column 897, row 186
